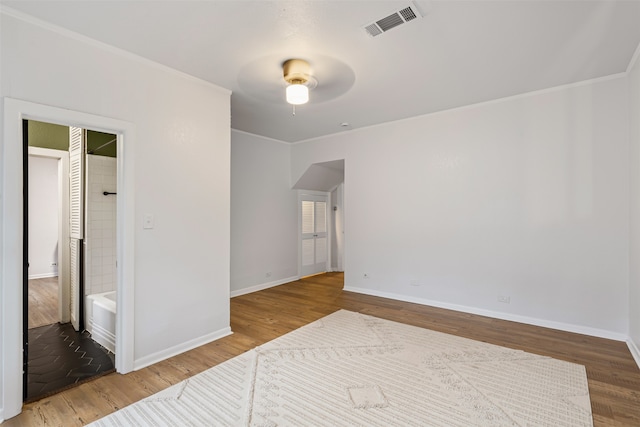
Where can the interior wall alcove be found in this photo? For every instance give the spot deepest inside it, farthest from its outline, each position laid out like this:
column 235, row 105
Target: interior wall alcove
column 327, row 178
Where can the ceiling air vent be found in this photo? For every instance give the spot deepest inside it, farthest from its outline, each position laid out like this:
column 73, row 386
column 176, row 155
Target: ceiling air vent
column 400, row 17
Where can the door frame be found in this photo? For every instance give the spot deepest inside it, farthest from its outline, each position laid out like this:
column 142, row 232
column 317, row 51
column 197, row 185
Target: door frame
column 11, row 289
column 337, row 218
column 63, row 225
column 327, row 196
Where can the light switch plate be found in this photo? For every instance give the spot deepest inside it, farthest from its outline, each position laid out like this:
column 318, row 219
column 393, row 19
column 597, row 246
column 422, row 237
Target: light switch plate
column 148, row 222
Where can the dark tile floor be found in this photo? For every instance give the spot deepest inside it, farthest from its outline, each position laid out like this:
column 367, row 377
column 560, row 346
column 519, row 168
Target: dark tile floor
column 60, row 357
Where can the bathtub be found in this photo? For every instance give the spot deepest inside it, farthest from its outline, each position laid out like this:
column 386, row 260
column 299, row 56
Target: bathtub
column 101, row 319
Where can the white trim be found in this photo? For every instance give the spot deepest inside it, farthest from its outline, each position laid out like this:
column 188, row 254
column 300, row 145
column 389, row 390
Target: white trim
column 125, row 247
column 181, row 348
column 475, row 105
column 106, row 47
column 567, row 327
column 64, row 249
column 47, row 152
column 12, row 246
column 263, row 286
column 42, row 276
column 104, row 337
column 11, row 302
column 635, row 352
column 266, row 138
column 335, row 232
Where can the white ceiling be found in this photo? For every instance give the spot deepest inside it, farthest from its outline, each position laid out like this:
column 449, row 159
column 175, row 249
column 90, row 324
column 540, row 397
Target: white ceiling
column 460, row 53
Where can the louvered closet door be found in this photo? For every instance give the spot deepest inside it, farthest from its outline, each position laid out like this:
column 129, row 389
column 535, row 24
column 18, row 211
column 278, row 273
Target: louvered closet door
column 76, row 175
column 76, row 220
column 74, row 291
column 314, row 244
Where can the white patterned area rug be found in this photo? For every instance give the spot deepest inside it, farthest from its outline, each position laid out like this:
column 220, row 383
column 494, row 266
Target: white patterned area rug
column 350, row 369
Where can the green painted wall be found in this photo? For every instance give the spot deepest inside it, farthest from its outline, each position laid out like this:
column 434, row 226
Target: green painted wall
column 56, row 137
column 47, row 135
column 95, row 140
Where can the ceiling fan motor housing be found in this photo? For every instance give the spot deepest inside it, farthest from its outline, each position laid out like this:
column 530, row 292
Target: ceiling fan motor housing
column 296, row 71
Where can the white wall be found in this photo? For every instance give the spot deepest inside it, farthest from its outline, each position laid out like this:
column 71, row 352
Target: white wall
column 634, row 253
column 100, row 230
column 264, row 215
column 524, row 197
column 181, row 175
column 43, row 217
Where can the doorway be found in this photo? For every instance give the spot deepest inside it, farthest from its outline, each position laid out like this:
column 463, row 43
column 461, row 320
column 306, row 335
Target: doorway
column 313, row 234
column 59, row 351
column 45, row 237
column 11, row 328
column 320, row 223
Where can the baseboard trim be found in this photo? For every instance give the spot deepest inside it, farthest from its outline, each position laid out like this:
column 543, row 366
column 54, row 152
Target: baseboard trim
column 103, row 337
column 635, row 352
column 567, row 327
column 263, row 286
column 1, row 415
column 180, row 348
column 42, row 276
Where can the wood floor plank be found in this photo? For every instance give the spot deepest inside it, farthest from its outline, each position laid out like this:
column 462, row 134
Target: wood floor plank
column 613, row 376
column 43, row 302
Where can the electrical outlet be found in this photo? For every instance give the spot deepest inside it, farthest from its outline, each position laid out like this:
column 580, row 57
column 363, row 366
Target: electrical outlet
column 504, row 299
column 366, row 276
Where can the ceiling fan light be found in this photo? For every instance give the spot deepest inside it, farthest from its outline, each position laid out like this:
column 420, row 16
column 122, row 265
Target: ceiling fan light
column 297, row 94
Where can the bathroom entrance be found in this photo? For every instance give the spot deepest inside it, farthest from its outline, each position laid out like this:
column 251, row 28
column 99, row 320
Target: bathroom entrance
column 70, row 253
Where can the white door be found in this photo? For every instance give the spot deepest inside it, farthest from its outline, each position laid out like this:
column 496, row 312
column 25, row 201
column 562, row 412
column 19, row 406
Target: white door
column 314, row 245
column 76, row 220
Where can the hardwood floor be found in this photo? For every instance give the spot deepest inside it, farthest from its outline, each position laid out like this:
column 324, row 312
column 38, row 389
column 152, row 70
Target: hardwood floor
column 614, row 378
column 43, row 302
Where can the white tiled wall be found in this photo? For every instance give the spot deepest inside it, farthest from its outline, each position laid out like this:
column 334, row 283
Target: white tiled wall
column 100, row 232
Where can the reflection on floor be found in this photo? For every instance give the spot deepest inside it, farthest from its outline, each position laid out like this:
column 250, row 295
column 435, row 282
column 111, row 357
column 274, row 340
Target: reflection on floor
column 60, row 357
